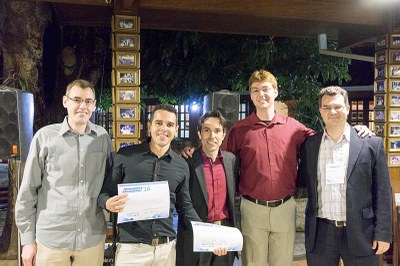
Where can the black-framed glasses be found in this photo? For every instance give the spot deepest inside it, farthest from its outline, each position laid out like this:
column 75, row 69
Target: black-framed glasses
column 79, row 101
column 337, row 108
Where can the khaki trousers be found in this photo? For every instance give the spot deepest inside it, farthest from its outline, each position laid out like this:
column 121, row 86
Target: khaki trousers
column 146, row 255
column 268, row 233
column 93, row 256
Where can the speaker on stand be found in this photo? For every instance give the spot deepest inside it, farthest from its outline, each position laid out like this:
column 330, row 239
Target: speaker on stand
column 226, row 102
column 16, row 132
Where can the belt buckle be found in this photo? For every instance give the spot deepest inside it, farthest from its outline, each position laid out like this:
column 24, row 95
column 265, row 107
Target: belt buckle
column 154, row 241
column 340, row 223
column 218, row 222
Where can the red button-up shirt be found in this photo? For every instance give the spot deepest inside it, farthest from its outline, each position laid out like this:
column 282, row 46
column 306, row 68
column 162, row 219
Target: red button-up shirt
column 268, row 155
column 216, row 188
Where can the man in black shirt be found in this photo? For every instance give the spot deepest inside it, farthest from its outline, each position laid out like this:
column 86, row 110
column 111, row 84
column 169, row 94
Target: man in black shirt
column 150, row 242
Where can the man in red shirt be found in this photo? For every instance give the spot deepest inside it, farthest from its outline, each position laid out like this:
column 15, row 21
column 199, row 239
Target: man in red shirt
column 212, row 189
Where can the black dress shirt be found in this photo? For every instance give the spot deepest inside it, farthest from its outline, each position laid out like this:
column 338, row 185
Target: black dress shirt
column 137, row 163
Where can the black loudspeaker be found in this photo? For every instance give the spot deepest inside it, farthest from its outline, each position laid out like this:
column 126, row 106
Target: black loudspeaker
column 16, row 122
column 226, row 102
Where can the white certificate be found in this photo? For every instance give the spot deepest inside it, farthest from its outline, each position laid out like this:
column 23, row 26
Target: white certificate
column 208, row 236
column 147, row 200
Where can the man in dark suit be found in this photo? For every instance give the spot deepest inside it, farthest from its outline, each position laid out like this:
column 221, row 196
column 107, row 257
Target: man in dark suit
column 348, row 214
column 212, row 189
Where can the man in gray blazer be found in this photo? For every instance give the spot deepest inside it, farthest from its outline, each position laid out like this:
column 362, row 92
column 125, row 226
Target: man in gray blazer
column 212, row 189
column 348, row 214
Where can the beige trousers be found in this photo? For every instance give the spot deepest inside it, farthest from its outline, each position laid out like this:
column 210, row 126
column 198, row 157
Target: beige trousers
column 146, row 255
column 92, row 256
column 268, row 233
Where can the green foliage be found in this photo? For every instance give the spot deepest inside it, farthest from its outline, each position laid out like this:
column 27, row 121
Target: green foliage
column 177, row 66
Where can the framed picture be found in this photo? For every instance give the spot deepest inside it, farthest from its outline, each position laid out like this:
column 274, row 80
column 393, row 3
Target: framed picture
column 128, row 129
column 394, row 85
column 127, row 59
column 381, row 42
column 120, row 143
column 127, row 23
column 394, row 115
column 380, row 72
column 127, row 112
column 380, row 115
column 395, row 40
column 128, row 77
column 394, row 57
column 393, row 159
column 127, row 95
column 380, row 129
column 394, row 71
column 381, row 57
column 394, row 100
column 380, row 86
column 379, row 101
column 394, row 130
column 394, row 144
column 127, row 41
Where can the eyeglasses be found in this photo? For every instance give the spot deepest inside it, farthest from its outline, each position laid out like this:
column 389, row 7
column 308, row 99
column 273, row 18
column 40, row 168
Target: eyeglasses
column 79, row 101
column 264, row 91
column 337, row 108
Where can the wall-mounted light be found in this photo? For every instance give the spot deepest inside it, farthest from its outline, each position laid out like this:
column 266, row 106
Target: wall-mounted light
column 194, row 106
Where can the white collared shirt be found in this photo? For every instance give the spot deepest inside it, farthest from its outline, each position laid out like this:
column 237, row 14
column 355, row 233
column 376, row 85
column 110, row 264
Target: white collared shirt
column 332, row 176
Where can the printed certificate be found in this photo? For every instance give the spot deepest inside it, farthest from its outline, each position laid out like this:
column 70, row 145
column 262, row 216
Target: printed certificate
column 147, row 200
column 208, row 236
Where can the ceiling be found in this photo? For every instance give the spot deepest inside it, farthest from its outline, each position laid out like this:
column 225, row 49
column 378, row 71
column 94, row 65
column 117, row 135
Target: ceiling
column 344, row 20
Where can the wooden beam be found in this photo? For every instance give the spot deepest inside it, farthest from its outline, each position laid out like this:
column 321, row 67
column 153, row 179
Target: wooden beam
column 333, row 11
column 80, row 2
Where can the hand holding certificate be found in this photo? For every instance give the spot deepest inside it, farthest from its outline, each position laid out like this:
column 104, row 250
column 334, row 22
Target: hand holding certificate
column 207, row 237
column 147, row 200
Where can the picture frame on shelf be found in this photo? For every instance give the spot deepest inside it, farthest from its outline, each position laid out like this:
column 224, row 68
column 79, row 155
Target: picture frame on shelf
column 380, row 72
column 394, row 57
column 380, row 101
column 127, row 41
column 394, row 85
column 394, row 100
column 380, row 116
column 393, row 144
column 394, row 71
column 393, row 159
column 395, row 40
column 379, row 129
column 381, row 57
column 127, row 95
column 127, row 59
column 394, row 130
column 127, row 23
column 128, row 112
column 128, row 77
column 120, row 143
column 128, row 129
column 381, row 42
column 380, row 86
column 394, row 115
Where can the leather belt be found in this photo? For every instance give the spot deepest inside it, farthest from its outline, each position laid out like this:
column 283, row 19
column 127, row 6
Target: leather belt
column 159, row 240
column 221, row 222
column 268, row 203
column 333, row 222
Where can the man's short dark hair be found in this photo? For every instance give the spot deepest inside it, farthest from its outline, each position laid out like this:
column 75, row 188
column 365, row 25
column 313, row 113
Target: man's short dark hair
column 212, row 113
column 165, row 107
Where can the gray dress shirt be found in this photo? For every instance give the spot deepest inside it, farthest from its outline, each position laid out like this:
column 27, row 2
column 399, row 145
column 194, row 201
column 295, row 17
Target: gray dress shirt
column 57, row 200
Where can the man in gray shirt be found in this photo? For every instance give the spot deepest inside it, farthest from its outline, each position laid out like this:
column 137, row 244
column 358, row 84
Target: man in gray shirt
column 56, row 210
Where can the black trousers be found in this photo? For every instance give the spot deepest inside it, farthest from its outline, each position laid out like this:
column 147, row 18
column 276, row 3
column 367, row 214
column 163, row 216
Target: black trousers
column 331, row 245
